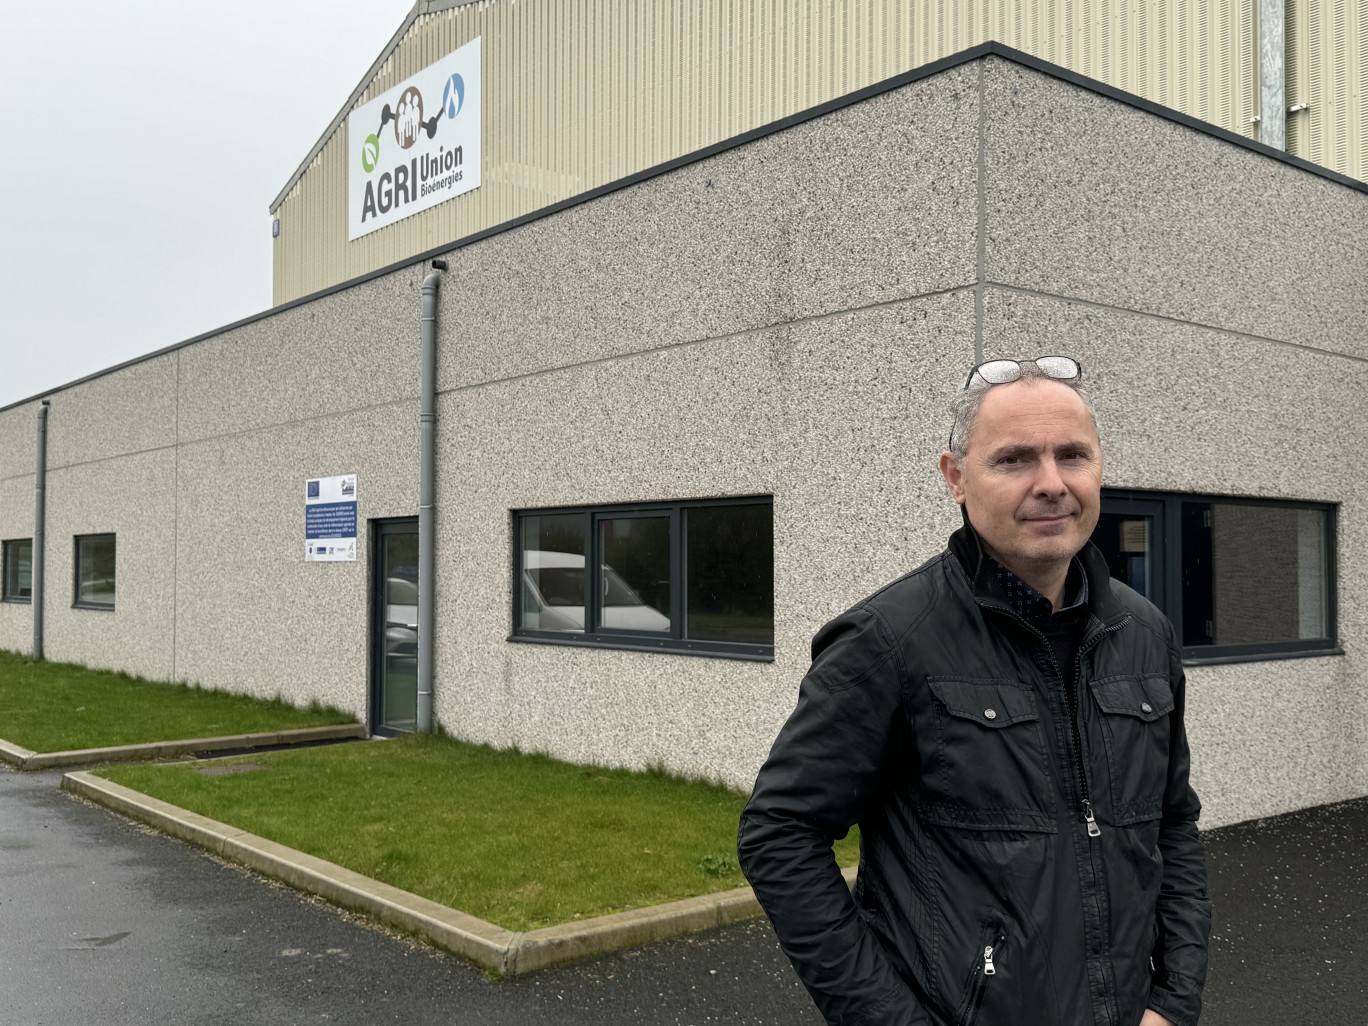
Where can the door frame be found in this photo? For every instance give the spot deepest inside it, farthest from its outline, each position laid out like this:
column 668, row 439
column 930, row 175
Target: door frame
column 380, row 529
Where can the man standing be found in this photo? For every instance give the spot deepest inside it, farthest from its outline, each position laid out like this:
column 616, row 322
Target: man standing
column 1005, row 725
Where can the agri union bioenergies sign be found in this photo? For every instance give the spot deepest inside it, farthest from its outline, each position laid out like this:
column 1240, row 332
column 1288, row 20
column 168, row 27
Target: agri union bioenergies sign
column 416, row 145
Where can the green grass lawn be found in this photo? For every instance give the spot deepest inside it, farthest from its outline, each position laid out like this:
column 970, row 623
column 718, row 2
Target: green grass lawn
column 53, row 707
column 523, row 841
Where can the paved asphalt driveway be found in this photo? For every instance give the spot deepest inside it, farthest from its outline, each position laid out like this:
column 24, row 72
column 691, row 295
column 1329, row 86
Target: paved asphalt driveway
column 103, row 922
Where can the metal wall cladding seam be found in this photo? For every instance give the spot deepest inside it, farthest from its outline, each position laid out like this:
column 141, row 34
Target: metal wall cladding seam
column 581, row 93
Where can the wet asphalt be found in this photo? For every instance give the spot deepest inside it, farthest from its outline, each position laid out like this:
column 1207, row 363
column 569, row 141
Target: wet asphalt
column 105, row 922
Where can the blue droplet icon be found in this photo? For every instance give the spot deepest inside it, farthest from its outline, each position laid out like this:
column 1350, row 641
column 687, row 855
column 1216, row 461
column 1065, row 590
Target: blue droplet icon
column 453, row 96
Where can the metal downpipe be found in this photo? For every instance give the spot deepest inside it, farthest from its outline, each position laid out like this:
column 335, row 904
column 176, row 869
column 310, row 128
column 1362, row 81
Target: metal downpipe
column 39, row 533
column 1272, row 74
column 427, row 422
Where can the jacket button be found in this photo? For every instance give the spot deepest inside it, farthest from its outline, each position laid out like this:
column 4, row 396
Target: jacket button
column 1146, row 707
column 990, row 714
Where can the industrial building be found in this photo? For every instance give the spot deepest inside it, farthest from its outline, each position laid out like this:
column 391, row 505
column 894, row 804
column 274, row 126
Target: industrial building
column 710, row 272
column 583, row 94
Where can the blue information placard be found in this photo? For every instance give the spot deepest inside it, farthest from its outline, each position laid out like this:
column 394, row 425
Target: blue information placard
column 330, row 519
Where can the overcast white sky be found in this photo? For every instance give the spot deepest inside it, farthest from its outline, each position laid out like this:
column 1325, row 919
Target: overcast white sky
column 145, row 141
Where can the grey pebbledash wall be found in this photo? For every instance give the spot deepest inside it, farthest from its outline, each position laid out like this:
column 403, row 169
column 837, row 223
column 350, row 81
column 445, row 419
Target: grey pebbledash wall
column 786, row 317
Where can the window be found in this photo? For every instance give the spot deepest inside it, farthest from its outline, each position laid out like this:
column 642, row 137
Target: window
column 18, row 570
column 95, row 571
column 1240, row 579
column 693, row 577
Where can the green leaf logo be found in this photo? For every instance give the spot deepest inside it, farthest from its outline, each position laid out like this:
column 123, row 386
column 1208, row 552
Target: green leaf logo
column 370, row 152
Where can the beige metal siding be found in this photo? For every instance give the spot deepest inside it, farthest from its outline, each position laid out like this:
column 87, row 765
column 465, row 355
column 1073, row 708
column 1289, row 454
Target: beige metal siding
column 579, row 93
column 1327, row 69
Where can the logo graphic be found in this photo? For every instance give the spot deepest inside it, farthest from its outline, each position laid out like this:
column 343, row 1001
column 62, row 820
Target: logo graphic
column 370, row 152
column 415, row 145
column 348, row 487
column 453, row 96
column 408, row 119
column 313, row 489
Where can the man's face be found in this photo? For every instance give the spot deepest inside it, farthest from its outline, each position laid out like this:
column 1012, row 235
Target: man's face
column 1031, row 482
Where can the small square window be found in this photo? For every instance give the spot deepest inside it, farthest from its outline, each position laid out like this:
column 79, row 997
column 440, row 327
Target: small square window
column 18, row 570
column 95, row 571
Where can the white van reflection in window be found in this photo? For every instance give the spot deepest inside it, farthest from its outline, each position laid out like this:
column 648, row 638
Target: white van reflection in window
column 553, row 596
column 401, row 619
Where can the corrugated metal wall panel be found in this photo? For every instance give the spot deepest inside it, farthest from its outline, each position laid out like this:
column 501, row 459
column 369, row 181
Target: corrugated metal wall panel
column 1327, row 70
column 578, row 93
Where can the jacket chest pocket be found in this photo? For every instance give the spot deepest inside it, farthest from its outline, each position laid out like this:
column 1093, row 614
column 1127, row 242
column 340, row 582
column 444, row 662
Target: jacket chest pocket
column 989, row 769
column 1135, row 734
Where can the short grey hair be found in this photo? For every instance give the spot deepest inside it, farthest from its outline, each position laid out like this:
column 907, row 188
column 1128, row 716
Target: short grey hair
column 965, row 406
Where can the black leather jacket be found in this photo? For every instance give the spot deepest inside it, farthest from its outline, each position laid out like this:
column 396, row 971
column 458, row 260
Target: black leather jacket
column 935, row 718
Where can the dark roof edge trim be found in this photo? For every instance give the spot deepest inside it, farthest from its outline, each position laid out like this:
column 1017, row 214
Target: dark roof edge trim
column 341, row 115
column 868, row 92
column 1168, row 113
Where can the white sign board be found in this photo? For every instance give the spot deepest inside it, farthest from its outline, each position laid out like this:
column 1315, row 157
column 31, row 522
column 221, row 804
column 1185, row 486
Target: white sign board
column 330, row 519
column 415, row 145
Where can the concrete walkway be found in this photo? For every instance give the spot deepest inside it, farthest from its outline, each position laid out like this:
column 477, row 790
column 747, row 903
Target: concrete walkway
column 107, row 922
column 1291, row 920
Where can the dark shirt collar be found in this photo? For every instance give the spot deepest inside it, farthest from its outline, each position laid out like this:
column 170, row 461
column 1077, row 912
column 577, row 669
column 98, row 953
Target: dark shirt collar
column 966, row 551
column 1031, row 605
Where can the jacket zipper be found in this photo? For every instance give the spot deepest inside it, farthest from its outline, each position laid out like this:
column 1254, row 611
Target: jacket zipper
column 1073, row 694
column 978, row 980
column 1071, row 700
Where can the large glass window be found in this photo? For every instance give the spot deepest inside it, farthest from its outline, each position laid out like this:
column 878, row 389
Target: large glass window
column 1239, row 578
column 693, row 577
column 95, row 570
column 18, row 570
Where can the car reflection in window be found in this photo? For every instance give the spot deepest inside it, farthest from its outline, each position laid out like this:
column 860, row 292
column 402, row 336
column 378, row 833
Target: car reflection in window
column 401, row 621
column 553, row 596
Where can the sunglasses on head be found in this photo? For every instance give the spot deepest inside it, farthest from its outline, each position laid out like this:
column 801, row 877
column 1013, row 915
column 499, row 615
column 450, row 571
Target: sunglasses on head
column 1000, row 372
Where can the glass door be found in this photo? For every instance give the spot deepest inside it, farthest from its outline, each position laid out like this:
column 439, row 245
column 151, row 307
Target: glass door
column 394, row 630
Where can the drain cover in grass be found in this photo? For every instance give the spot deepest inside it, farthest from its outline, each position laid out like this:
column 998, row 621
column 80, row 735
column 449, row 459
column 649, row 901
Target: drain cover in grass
column 241, row 767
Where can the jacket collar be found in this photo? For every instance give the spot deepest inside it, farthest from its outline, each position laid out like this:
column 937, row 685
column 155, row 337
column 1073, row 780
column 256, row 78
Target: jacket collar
column 968, row 552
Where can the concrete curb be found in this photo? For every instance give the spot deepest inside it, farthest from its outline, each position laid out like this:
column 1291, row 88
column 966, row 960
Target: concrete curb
column 14, row 755
column 25, row 760
column 493, row 947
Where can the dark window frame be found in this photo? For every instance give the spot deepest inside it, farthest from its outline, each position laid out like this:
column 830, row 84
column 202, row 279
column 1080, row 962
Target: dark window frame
column 620, row 637
column 76, row 601
column 1168, row 595
column 8, row 546
column 380, row 528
